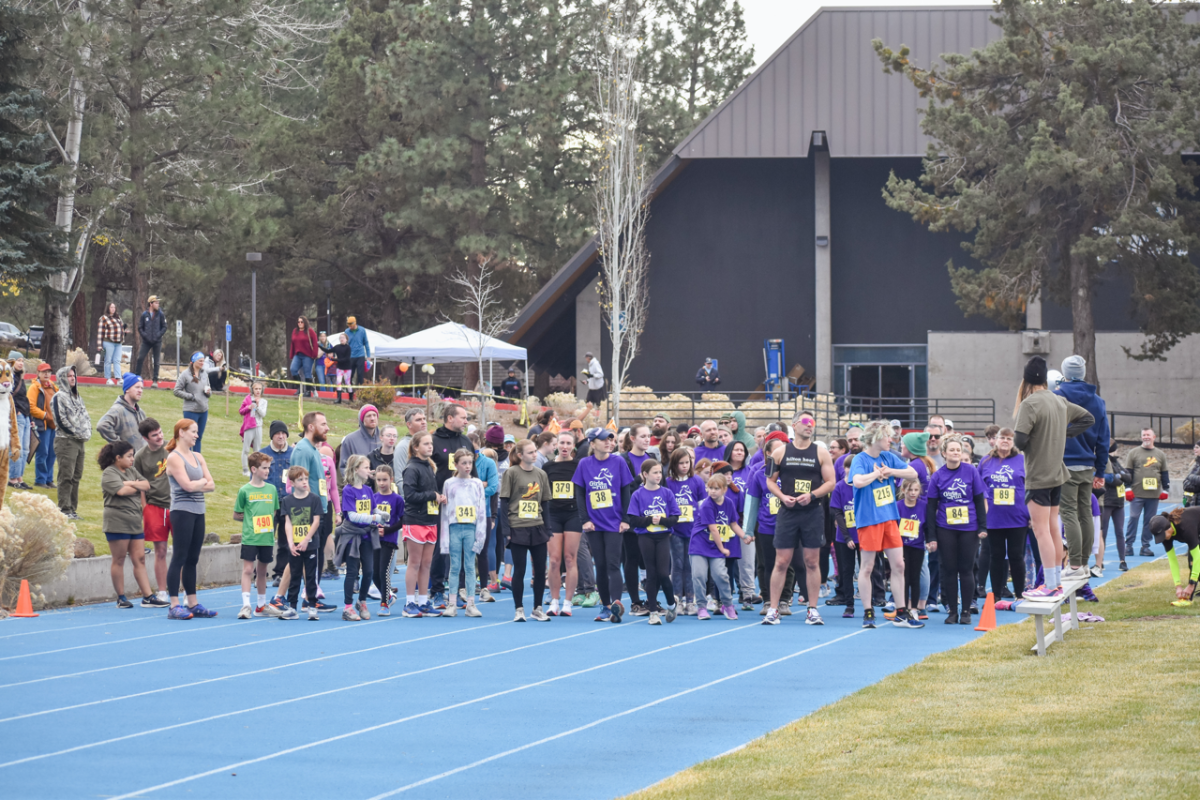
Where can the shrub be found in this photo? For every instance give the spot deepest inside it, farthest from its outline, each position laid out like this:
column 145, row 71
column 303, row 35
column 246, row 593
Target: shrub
column 79, row 360
column 378, row 393
column 1187, row 432
column 37, row 542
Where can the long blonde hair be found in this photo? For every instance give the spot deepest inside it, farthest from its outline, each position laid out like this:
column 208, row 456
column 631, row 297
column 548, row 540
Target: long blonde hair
column 352, row 464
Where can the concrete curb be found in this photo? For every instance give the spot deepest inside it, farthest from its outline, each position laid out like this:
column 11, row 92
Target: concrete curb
column 87, row 579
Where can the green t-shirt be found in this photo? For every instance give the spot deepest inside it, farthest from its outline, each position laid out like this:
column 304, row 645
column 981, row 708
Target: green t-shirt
column 527, row 493
column 121, row 514
column 1147, row 467
column 1045, row 416
column 257, row 505
column 152, row 464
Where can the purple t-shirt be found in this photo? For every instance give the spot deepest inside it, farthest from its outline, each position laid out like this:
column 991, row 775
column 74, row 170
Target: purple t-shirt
column 842, row 499
column 1005, row 481
column 741, row 479
column 711, row 453
column 688, row 494
column 393, row 505
column 637, row 462
column 709, row 513
column 955, row 490
column 758, row 489
column 912, row 524
column 922, row 476
column 645, row 503
column 756, row 460
column 602, row 482
column 360, row 499
column 839, row 467
column 1095, row 507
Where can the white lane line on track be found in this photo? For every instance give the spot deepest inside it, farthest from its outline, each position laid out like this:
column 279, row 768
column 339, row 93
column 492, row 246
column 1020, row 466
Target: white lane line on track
column 312, row 696
column 91, row 608
column 102, row 624
column 611, row 717
column 201, row 627
column 429, row 713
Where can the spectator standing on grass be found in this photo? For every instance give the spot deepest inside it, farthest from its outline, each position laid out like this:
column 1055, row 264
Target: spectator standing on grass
column 1148, row 466
column 1086, row 456
column 190, row 480
column 20, row 396
column 302, row 352
column 343, row 366
column 192, row 387
column 123, row 486
column 110, row 334
column 360, row 350
column 594, row 374
column 254, row 412
column 217, row 368
column 1191, row 483
column 74, row 429
column 414, row 420
column 120, row 423
column 511, row 387
column 151, row 463
column 40, row 395
column 320, row 366
column 707, row 376
column 1116, row 478
column 364, row 440
column 152, row 326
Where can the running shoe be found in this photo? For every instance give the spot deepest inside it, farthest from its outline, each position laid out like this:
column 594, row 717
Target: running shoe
column 691, row 609
column 702, row 613
column 655, row 619
column 951, row 618
column 785, row 611
column 1003, row 605
column 320, row 606
column 848, row 613
column 835, row 601
column 452, row 611
column 123, row 602
column 824, row 591
column 566, row 610
column 520, row 615
column 756, row 599
column 889, row 614
column 361, row 608
column 461, row 601
column 747, row 605
column 179, row 612
column 933, row 608
column 965, row 619
column 200, row 611
column 1123, row 567
column 578, row 599
column 1177, row 603
column 245, row 613
column 1146, row 552
column 494, row 586
column 591, row 600
column 154, row 601
column 506, row 584
column 638, row 610
column 438, row 600
column 373, row 592
column 1042, row 592
column 772, row 617
column 411, row 610
column 472, row 611
column 162, row 595
column 617, row 609
column 1097, row 571
column 974, row 609
column 260, row 611
column 427, row 609
column 921, row 615
column 275, row 607
column 889, row 606
column 1074, row 573
column 384, row 610
column 729, row 611
column 671, row 613
column 349, row 615
column 289, row 614
column 539, row 615
column 485, row 596
column 907, row 620
column 711, row 605
column 813, row 617
column 321, row 594
column 1085, row 593
column 553, row 610
column 313, row 616
column 605, row 615
column 869, row 618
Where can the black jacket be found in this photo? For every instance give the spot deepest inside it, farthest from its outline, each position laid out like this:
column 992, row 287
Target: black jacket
column 152, row 327
column 20, row 394
column 1117, row 476
column 711, row 378
column 420, row 489
column 445, row 443
column 1191, row 484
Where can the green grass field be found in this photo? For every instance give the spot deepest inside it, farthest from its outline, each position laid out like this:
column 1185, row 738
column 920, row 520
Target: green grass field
column 1109, row 713
column 222, row 448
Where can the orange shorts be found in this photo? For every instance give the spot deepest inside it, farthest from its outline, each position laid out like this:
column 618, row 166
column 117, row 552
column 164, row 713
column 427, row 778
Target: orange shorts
column 156, row 522
column 877, row 538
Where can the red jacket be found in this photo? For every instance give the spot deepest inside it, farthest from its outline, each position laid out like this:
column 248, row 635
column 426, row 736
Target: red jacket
column 303, row 342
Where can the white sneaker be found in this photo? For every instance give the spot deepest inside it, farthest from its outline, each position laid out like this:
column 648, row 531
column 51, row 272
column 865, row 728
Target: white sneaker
column 162, row 595
column 451, row 610
column 519, row 616
column 485, row 596
column 472, row 611
column 373, row 592
column 246, row 613
column 553, row 608
column 712, row 605
column 312, row 614
column 539, row 615
column 655, row 619
column 1075, row 572
column 110, row 382
column 1097, row 572
column 824, row 592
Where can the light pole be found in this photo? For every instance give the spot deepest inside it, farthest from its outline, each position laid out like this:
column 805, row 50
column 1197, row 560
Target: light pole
column 253, row 257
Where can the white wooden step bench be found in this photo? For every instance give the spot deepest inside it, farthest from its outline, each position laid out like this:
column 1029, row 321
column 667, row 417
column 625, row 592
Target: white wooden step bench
column 1040, row 608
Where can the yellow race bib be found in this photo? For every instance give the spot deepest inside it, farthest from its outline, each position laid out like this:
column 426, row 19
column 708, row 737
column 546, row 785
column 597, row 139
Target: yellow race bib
column 1120, row 488
column 850, row 518
column 562, row 490
column 362, row 505
column 910, row 528
column 957, row 515
column 1004, row 497
column 431, row 508
column 529, row 509
column 774, row 504
column 725, row 532
column 655, row 528
column 1149, row 484
column 685, row 514
column 464, row 515
column 322, row 487
column 802, row 487
column 601, row 498
column 884, row 496
column 264, row 523
column 299, row 532
column 453, row 462
column 385, row 509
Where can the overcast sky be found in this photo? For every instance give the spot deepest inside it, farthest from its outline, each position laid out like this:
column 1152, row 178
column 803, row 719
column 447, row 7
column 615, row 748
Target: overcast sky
column 770, row 23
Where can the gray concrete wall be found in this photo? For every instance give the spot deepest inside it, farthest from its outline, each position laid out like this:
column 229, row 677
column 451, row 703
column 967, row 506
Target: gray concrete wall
column 87, row 579
column 989, row 365
column 589, row 332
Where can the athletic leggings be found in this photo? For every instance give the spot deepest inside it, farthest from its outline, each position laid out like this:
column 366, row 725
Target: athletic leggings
column 846, row 571
column 366, row 559
column 633, row 560
column 1117, row 515
column 957, row 550
column 520, row 555
column 1012, row 542
column 383, row 570
column 914, row 559
column 606, row 553
column 187, row 533
column 765, row 544
column 656, row 553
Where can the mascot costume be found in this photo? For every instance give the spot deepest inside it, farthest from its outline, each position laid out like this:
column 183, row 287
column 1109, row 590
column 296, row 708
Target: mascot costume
column 10, row 442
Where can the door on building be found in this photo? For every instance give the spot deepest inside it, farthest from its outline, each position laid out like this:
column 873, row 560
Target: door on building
column 882, row 381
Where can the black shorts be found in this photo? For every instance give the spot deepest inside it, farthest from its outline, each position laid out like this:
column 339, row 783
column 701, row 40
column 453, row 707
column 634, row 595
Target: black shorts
column 563, row 521
column 595, row 396
column 800, row 526
column 1047, row 498
column 258, row 552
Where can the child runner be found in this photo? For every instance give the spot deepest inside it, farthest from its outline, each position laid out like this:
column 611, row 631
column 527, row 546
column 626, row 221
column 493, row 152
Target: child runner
column 422, row 515
column 603, row 487
column 1003, row 473
column 956, row 511
column 689, row 491
column 357, row 536
column 524, row 492
column 255, row 508
column 122, row 486
column 301, row 519
column 562, row 519
column 713, row 542
column 873, row 475
column 463, row 526
column 652, row 512
column 390, row 504
column 841, row 506
column 912, row 532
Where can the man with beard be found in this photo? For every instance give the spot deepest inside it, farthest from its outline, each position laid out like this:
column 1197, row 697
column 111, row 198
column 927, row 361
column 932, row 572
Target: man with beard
column 447, row 440
column 658, row 428
column 710, row 446
column 414, row 419
column 854, row 439
column 364, row 440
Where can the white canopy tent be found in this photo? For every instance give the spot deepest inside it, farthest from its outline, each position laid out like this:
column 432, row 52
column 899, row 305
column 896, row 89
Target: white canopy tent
column 452, row 342
column 375, row 339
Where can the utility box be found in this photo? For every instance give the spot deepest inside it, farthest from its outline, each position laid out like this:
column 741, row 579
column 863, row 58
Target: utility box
column 773, row 360
column 1035, row 343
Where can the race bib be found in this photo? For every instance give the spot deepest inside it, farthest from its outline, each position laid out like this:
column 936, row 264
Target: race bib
column 850, row 518
column 601, row 498
column 362, row 505
column 385, row 509
column 725, row 532
column 264, row 523
column 802, row 487
column 884, row 496
column 1004, row 497
column 529, row 509
column 1189, row 494
column 910, row 528
column 957, row 515
column 464, row 515
column 685, row 514
column 1149, row 484
column 1120, row 488
column 431, row 508
column 562, row 490
column 655, row 528
column 453, row 462
column 774, row 504
column 299, row 532
column 323, row 488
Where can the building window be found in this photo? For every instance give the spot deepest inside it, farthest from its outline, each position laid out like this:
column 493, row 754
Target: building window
column 882, row 380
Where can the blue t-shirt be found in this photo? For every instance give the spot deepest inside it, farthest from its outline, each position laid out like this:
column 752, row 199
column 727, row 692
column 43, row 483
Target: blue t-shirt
column 875, row 503
column 724, row 515
column 646, row 503
column 955, row 490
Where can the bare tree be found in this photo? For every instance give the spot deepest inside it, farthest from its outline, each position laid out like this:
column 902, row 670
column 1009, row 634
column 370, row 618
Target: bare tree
column 622, row 193
column 479, row 300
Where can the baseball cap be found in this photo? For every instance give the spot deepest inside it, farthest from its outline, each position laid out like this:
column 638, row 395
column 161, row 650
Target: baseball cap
column 152, row 299
column 508, row 437
column 1159, row 525
column 576, row 425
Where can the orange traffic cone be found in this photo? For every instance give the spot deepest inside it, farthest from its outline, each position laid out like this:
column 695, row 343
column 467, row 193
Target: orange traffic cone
column 24, row 603
column 987, row 620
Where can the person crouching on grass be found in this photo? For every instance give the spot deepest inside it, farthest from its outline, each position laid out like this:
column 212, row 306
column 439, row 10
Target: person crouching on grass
column 256, row 505
column 122, row 486
column 463, row 526
column 1179, row 525
column 357, row 538
column 713, row 542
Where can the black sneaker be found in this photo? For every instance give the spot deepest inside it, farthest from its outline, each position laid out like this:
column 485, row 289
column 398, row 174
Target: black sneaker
column 869, row 618
column 1146, row 552
column 152, row 601
column 952, row 618
column 965, row 619
column 638, row 610
column 1124, row 567
column 123, row 602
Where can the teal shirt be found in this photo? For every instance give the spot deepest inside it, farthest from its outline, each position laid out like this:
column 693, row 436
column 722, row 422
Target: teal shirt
column 306, row 455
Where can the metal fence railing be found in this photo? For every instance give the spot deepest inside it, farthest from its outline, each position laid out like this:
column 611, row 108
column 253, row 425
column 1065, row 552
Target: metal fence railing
column 1170, row 430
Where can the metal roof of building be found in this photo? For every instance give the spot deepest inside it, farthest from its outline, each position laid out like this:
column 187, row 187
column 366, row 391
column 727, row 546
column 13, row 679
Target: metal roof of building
column 828, row 78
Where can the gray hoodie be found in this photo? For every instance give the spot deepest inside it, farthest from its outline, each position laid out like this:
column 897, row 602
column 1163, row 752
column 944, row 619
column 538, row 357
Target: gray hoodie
column 70, row 414
column 191, row 390
column 121, row 422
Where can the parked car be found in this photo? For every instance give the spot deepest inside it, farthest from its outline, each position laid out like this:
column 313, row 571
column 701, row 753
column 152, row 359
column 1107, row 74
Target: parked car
column 34, row 335
column 12, row 338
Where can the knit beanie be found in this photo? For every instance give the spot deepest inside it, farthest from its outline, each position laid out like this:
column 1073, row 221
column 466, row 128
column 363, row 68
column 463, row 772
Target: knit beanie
column 776, row 436
column 494, row 436
column 278, row 427
column 915, row 443
column 130, row 380
column 1073, row 368
column 362, row 412
column 1035, row 371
